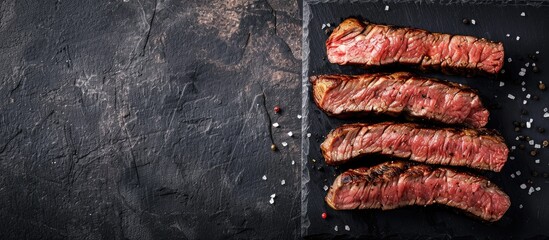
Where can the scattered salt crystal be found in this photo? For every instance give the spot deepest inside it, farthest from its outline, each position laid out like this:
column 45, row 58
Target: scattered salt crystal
column 509, row 59
column 523, row 70
column 546, row 115
column 501, row 84
column 276, row 125
column 537, row 52
column 271, row 201
column 507, row 35
column 518, row 38
column 512, row 175
column 529, row 125
column 531, row 142
column 537, row 146
column 531, row 120
column 538, row 189
column 528, row 95
column 513, row 147
column 520, row 206
column 308, row 135
column 273, row 195
column 283, row 182
column 510, row 96
column 386, row 7
column 522, row 14
column 502, row 71
column 527, row 64
column 537, row 161
column 524, row 102
column 335, row 228
column 523, row 186
column 511, row 158
column 298, row 116
column 533, row 64
column 545, row 109
column 323, row 26
column 328, row 25
column 290, row 133
column 524, row 89
column 325, row 188
column 264, row 177
column 530, row 191
column 347, row 228
column 293, row 162
column 522, row 74
column 284, row 144
column 518, row 173
column 473, row 21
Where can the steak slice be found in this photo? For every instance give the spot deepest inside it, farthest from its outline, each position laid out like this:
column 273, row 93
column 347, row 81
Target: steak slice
column 396, row 184
column 480, row 149
column 367, row 44
column 399, row 93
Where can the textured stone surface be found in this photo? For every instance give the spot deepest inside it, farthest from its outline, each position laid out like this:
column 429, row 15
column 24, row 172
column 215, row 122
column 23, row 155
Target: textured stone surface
column 135, row 119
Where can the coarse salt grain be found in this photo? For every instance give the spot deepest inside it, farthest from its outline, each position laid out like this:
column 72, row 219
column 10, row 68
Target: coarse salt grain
column 523, row 70
column 323, row 26
column 537, row 146
column 273, row 195
column 524, row 89
column 520, row 206
column 264, row 177
column 518, row 173
column 386, row 7
column 531, row 120
column 501, row 84
column 524, row 102
column 512, row 175
column 325, row 188
column 283, row 182
column 502, row 70
column 510, row 96
column 523, row 14
column 528, row 125
column 308, row 135
column 530, row 190
column 509, row 59
column 507, row 35
column 545, row 109
column 293, row 162
column 522, row 74
column 514, row 147
column 328, row 25
column 271, row 201
column 290, row 133
column 533, row 64
column 276, row 125
column 537, row 52
column 335, row 228
column 298, row 116
column 347, row 228
column 528, row 95
column 538, row 189
column 537, row 161
column 284, row 144
column 473, row 21
column 523, row 186
column 527, row 64
column 511, row 158
column 531, row 142
column 518, row 38
column 546, row 115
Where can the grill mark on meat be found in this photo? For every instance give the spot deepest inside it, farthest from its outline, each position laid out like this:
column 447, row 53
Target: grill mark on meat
column 362, row 43
column 481, row 149
column 417, row 97
column 397, row 184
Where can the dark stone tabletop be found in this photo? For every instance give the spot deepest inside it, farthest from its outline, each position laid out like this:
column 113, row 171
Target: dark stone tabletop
column 144, row 119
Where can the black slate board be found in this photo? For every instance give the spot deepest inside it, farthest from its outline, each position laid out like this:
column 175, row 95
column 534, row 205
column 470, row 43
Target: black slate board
column 528, row 214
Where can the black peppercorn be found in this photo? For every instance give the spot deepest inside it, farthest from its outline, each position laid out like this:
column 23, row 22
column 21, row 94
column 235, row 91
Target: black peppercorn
column 528, row 138
column 533, row 57
column 523, row 112
column 521, row 146
column 545, row 143
column 517, row 129
column 535, row 69
column 541, row 86
column 522, row 125
column 516, row 124
column 535, row 97
column 541, row 130
column 533, row 153
column 273, row 147
column 320, row 169
column 466, row 21
column 534, row 174
column 545, row 175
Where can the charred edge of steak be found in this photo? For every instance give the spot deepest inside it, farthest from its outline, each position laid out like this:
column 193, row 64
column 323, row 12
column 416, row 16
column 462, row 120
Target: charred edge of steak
column 352, row 27
column 323, row 84
column 331, row 146
column 397, row 184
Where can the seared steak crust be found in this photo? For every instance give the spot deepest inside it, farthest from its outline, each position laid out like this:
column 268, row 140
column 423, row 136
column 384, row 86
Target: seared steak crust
column 480, row 149
column 396, row 184
column 399, row 93
column 367, row 44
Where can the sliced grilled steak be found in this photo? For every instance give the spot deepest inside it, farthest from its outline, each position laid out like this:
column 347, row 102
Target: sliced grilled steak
column 366, row 44
column 399, row 93
column 481, row 149
column 396, row 184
